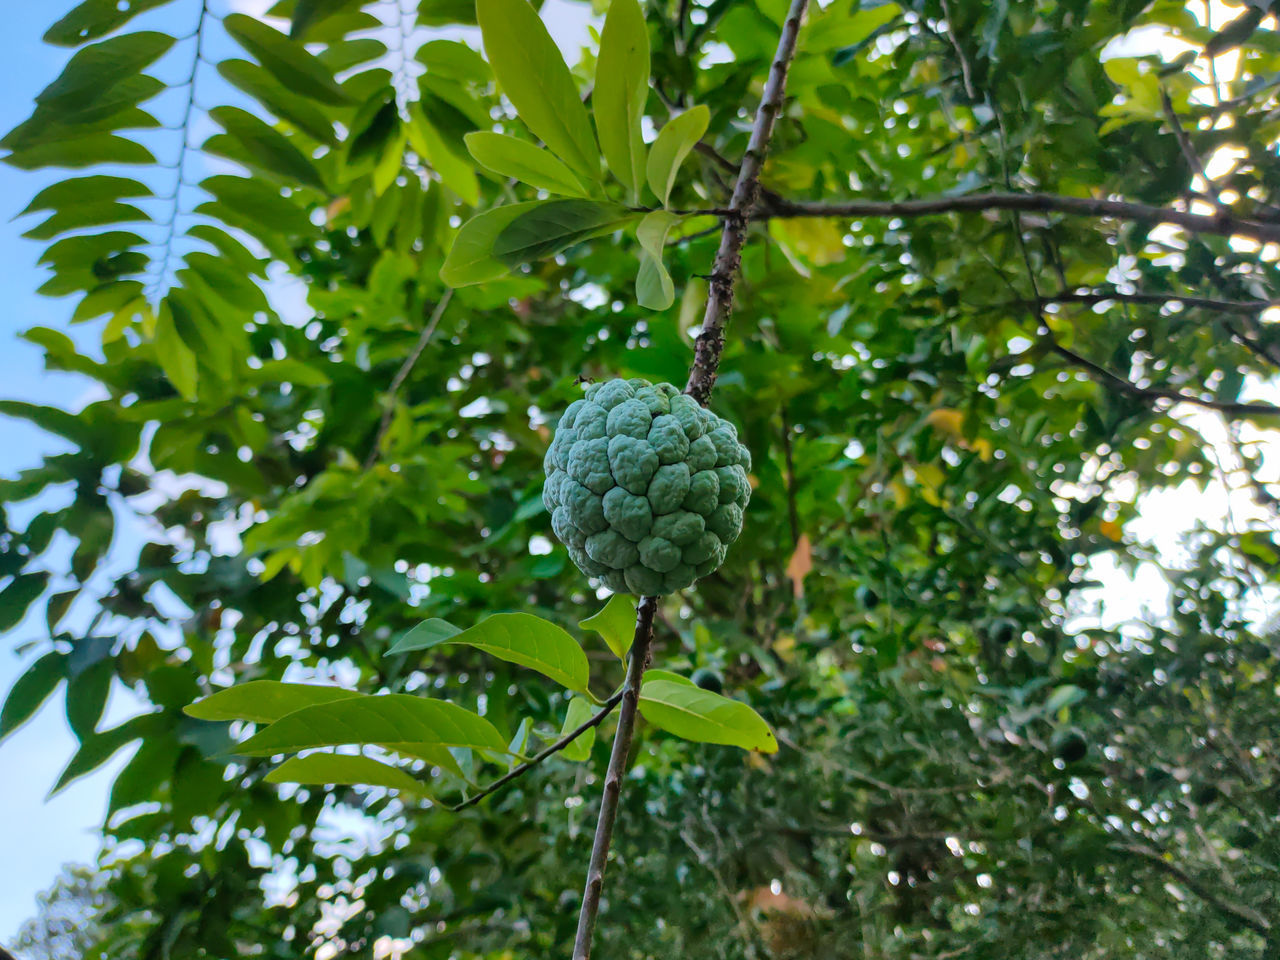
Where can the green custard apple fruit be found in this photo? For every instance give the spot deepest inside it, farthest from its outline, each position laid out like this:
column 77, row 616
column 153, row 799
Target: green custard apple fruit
column 645, row 487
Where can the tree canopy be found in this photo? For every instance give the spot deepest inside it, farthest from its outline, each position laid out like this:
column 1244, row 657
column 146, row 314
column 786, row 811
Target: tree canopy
column 973, row 281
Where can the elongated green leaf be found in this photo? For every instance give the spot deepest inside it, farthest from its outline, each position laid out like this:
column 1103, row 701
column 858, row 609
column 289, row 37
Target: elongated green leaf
column 519, row 638
column 621, row 90
column 231, row 248
column 654, row 288
column 86, row 215
column 344, row 770
column 95, row 69
column 108, row 298
column 18, row 595
column 394, row 720
column 616, row 622
column 534, row 77
column 440, row 13
column 454, row 169
column 667, row 675
column 285, row 59
column 266, row 146
column 176, row 359
column 579, row 712
column 470, row 259
column 98, row 748
column 81, row 152
column 551, row 226
column 96, row 18
column 263, row 701
column 81, row 190
column 704, row 717
column 511, row 157
column 674, row 142
column 48, row 125
column 288, row 106
column 453, row 59
column 312, row 13
column 259, row 202
column 424, row 636
column 31, row 690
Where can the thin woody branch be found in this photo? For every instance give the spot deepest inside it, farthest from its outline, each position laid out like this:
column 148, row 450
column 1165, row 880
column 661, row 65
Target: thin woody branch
column 1122, row 385
column 590, row 723
column 746, row 192
column 1219, row 225
column 1245, row 915
column 640, row 645
column 403, row 373
column 1161, row 299
column 702, row 378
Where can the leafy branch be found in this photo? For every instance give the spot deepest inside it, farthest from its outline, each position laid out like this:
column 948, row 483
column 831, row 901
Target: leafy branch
column 702, row 378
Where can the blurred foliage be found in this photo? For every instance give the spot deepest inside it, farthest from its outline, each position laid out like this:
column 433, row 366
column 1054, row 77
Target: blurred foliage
column 973, row 762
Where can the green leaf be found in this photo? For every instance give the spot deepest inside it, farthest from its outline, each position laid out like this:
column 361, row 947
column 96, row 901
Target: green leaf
column 81, row 152
column 285, row 59
column 519, row 638
column 98, row 748
column 579, row 712
column 616, row 622
column 81, row 190
column 336, row 769
column 668, row 676
column 264, row 701
column 257, row 201
column 231, row 248
column 442, row 13
column 620, row 94
column 24, row 589
column 49, row 126
column 309, row 13
column 176, row 359
column 96, row 18
column 86, row 215
column 674, row 142
column 532, row 74
column 654, row 288
column 266, row 146
column 454, row 169
column 87, row 696
column 424, row 636
column 31, row 690
column 511, row 157
column 1063, row 696
column 519, row 742
column 375, row 124
column 699, row 715
column 551, row 226
column 289, row 107
column 395, row 721
column 95, row 69
column 470, row 259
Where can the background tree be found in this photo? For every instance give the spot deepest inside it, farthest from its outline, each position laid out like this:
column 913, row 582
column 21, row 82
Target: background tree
column 991, row 295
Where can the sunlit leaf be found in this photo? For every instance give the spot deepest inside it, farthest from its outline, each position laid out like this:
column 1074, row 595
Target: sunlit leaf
column 694, row 714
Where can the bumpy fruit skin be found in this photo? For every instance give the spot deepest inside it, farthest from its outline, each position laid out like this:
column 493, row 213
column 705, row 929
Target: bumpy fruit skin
column 645, row 488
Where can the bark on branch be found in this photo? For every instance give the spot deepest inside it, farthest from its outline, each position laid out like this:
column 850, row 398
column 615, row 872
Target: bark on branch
column 746, row 192
column 1244, row 914
column 645, row 611
column 1220, row 225
column 702, row 378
